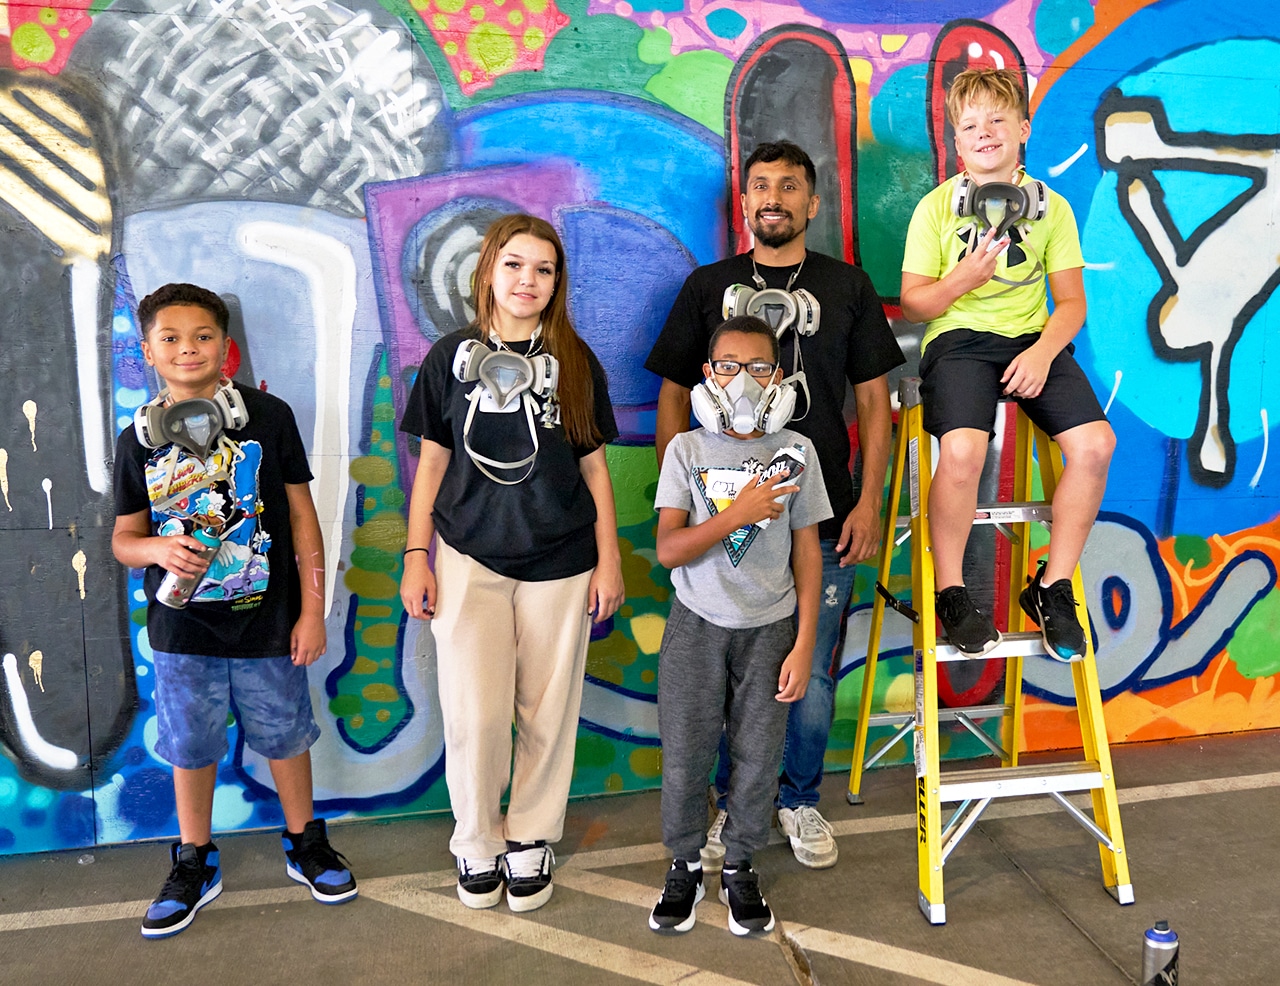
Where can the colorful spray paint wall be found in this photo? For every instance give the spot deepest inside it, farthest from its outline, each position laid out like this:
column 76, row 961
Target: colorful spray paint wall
column 329, row 168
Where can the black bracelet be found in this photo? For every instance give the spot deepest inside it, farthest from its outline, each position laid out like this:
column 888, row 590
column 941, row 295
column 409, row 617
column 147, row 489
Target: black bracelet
column 410, row 550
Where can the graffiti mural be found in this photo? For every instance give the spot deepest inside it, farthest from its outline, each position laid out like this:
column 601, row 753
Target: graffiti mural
column 329, row 168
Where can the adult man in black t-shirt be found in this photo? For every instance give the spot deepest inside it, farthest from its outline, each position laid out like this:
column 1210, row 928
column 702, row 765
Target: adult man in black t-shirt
column 853, row 342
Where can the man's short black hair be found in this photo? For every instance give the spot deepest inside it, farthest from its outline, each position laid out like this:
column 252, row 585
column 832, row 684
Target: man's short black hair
column 182, row 294
column 747, row 325
column 782, row 150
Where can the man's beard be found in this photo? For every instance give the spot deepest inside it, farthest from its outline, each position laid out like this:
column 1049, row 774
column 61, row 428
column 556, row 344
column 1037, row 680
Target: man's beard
column 776, row 237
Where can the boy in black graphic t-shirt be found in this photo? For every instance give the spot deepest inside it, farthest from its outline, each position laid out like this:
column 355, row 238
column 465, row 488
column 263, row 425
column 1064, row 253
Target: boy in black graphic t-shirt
column 209, row 455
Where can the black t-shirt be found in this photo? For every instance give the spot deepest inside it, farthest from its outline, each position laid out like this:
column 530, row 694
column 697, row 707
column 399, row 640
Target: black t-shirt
column 853, row 343
column 537, row 530
column 250, row 598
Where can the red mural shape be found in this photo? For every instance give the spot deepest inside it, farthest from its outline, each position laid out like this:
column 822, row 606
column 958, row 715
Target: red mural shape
column 490, row 38
column 42, row 35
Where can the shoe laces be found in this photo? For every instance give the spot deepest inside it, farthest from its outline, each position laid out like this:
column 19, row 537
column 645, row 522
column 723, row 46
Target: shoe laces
column 185, row 872
column 317, row 853
column 477, row 866
column 745, row 885
column 528, row 863
column 679, row 880
column 953, row 606
column 1058, row 599
column 718, row 825
column 809, row 822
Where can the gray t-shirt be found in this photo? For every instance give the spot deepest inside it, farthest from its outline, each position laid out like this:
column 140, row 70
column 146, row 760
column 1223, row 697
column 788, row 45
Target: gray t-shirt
column 745, row 580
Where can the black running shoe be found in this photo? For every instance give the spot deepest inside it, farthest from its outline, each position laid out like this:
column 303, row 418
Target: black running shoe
column 967, row 628
column 194, row 880
column 1054, row 608
column 480, row 880
column 740, row 892
column 311, row 860
column 527, row 867
column 676, row 910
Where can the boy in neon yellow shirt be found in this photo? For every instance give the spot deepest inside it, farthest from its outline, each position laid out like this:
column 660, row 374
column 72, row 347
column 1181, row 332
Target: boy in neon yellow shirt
column 982, row 292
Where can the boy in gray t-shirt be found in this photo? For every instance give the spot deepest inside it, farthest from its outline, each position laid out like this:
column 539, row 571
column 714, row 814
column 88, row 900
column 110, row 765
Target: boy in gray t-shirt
column 746, row 566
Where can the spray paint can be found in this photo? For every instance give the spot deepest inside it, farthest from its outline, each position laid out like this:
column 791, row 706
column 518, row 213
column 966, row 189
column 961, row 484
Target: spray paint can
column 1160, row 956
column 790, row 458
column 176, row 590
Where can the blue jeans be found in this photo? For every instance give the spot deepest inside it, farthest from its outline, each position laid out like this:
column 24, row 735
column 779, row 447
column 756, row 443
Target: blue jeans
column 809, row 721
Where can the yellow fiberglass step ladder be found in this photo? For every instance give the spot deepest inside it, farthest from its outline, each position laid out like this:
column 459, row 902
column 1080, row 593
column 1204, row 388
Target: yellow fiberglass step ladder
column 974, row 790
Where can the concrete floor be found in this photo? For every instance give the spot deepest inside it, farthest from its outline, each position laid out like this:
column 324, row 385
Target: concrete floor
column 1024, row 899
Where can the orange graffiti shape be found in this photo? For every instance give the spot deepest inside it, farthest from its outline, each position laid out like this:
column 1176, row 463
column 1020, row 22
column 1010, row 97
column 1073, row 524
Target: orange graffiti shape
column 41, row 35
column 485, row 39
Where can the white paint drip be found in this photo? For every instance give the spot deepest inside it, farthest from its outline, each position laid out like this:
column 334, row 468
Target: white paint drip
column 35, row 661
column 81, row 564
column 4, row 478
column 330, row 270
column 1115, row 389
column 1057, row 169
column 29, row 411
column 1266, row 443
column 46, row 484
column 57, row 757
column 86, row 279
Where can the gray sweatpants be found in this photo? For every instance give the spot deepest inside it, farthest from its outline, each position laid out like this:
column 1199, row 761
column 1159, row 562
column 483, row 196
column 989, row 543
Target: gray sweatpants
column 712, row 679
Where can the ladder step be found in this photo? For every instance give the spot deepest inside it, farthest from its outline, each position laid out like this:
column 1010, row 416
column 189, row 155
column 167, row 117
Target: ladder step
column 1013, row 513
column 1000, row 513
column 1012, row 782
column 944, row 715
column 1024, row 644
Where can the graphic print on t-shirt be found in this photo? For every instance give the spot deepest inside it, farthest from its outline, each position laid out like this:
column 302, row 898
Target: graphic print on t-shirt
column 220, row 493
column 719, row 487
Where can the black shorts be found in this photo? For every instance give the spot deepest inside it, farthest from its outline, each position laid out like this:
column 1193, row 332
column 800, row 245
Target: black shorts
column 960, row 384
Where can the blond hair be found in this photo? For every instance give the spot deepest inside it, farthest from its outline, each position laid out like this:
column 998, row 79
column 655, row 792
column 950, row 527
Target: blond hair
column 1000, row 88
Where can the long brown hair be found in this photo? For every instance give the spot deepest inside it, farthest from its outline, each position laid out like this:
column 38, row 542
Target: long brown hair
column 576, row 389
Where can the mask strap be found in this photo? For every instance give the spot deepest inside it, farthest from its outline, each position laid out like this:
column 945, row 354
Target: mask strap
column 759, row 281
column 481, row 461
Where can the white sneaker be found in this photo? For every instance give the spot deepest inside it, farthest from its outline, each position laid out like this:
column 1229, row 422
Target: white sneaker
column 811, row 837
column 480, row 880
column 713, row 851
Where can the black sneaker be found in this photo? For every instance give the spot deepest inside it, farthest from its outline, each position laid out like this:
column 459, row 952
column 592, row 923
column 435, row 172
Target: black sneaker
column 527, row 868
column 676, row 910
column 194, row 880
column 480, row 880
column 967, row 628
column 311, row 860
column 1054, row 608
column 740, row 892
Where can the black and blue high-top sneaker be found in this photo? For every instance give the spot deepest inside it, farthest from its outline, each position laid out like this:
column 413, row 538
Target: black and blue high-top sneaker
column 194, row 880
column 311, row 860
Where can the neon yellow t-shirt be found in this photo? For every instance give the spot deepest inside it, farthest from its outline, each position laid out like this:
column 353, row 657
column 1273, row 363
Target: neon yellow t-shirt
column 937, row 238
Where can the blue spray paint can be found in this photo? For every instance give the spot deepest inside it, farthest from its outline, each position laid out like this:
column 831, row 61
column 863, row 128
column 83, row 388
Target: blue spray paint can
column 1160, row 956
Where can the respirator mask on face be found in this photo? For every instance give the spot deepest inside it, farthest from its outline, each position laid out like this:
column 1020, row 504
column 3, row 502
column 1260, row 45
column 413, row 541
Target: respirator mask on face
column 506, row 382
column 1002, row 206
column 744, row 405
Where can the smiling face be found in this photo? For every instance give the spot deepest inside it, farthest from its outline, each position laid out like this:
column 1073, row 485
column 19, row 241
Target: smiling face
column 523, row 280
column 188, row 350
column 989, row 140
column 778, row 202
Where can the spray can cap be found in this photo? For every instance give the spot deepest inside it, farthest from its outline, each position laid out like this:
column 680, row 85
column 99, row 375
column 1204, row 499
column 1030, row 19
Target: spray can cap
column 206, row 536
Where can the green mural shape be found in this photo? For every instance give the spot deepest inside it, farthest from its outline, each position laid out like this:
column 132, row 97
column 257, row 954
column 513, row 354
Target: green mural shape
column 370, row 702
column 597, row 52
column 1253, row 646
column 1192, row 548
column 692, row 83
column 891, row 180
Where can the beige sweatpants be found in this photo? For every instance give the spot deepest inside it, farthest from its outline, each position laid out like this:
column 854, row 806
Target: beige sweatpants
column 504, row 646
